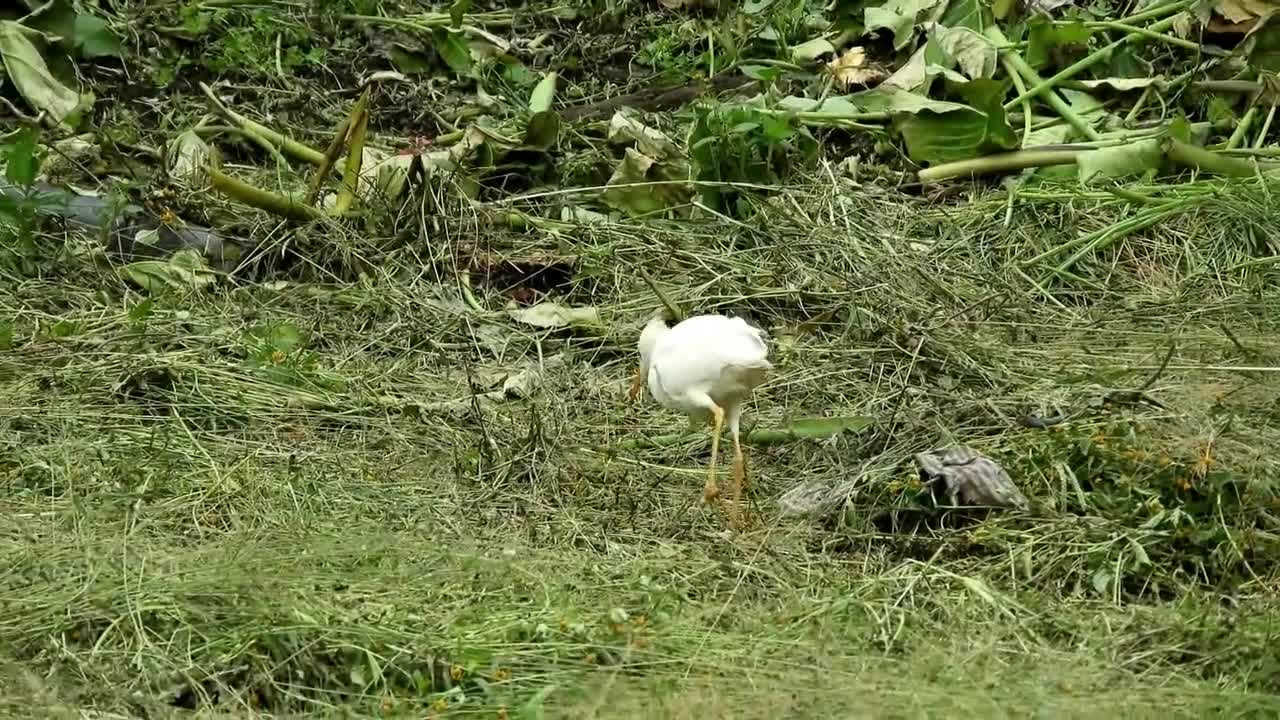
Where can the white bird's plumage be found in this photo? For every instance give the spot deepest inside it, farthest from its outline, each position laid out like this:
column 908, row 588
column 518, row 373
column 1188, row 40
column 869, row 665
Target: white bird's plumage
column 705, row 364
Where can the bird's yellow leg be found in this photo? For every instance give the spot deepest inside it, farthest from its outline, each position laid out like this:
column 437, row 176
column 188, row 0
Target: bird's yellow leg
column 739, row 474
column 636, row 383
column 711, row 490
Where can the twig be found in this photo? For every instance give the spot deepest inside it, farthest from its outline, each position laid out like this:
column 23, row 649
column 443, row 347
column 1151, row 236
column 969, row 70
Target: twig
column 287, row 145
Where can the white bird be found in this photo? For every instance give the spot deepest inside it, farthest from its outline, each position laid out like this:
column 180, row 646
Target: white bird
column 705, row 366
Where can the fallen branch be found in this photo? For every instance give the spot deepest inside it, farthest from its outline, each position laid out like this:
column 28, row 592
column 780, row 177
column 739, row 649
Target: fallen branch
column 280, row 205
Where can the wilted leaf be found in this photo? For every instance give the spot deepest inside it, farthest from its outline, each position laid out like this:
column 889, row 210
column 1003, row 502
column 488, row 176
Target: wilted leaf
column 899, row 17
column 389, row 175
column 543, row 94
column 917, row 74
column 972, row 53
column 812, row 50
column 184, row 270
column 1120, row 161
column 555, row 315
column 625, row 130
column 1240, row 11
column 850, row 68
column 189, row 156
column 636, row 167
column 31, row 76
column 543, row 130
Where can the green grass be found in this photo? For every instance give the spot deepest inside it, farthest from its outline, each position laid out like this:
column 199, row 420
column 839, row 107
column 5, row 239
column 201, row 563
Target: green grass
column 193, row 520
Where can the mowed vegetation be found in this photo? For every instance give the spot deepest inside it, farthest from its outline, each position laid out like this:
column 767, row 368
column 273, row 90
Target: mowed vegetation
column 366, row 470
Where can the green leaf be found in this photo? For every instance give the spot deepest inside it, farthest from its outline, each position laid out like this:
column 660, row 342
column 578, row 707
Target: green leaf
column 1120, row 161
column 935, row 137
column 93, row 37
column 971, row 14
column 408, row 61
column 1045, row 35
column 30, row 75
column 544, row 94
column 6, row 335
column 898, row 17
column 453, row 49
column 543, row 130
column 457, row 11
column 20, row 162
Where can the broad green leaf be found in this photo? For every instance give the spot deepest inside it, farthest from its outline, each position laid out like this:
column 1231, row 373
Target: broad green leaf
column 1046, row 35
column 543, row 130
column 94, row 37
column 972, row 53
column 457, row 11
column 899, row 17
column 544, row 94
column 555, row 315
column 1121, row 161
column 20, row 162
column 971, row 14
column 31, row 76
column 453, row 49
column 935, row 137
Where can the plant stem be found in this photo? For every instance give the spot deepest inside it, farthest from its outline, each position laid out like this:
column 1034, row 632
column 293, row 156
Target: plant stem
column 1002, row 162
column 1091, row 59
column 1059, row 105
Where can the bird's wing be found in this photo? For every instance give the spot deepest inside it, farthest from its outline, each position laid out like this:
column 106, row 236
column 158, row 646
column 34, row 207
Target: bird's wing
column 697, row 354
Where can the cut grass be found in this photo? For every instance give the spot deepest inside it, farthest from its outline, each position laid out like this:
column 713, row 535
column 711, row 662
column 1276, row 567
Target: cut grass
column 193, row 522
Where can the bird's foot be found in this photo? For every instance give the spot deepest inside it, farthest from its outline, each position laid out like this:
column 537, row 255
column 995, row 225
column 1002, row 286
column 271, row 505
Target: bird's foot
column 710, row 493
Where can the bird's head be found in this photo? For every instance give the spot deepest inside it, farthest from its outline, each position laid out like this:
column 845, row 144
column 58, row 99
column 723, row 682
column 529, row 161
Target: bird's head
column 657, row 326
